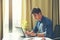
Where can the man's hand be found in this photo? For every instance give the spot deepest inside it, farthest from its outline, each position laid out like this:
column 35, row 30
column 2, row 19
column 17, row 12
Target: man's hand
column 30, row 33
column 33, row 34
column 40, row 35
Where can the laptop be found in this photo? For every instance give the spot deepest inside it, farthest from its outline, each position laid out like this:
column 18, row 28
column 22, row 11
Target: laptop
column 20, row 30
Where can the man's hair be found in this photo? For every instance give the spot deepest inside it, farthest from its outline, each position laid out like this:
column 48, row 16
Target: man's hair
column 36, row 10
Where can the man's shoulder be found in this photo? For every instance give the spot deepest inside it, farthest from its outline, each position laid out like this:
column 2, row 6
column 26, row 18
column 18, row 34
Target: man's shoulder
column 47, row 20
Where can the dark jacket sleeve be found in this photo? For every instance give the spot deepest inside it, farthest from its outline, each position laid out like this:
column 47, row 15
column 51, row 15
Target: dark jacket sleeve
column 50, row 30
column 35, row 29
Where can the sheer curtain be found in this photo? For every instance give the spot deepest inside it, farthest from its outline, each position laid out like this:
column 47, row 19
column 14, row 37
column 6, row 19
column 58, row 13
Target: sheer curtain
column 16, row 13
column 11, row 13
column 5, row 17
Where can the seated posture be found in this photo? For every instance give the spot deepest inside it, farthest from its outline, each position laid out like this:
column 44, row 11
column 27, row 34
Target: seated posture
column 43, row 27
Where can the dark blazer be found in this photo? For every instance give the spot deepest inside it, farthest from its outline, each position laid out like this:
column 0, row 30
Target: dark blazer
column 47, row 24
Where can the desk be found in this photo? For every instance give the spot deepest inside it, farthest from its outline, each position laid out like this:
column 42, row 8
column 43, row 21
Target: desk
column 36, row 38
column 10, row 36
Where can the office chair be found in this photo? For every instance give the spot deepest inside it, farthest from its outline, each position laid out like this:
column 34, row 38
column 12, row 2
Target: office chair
column 57, row 32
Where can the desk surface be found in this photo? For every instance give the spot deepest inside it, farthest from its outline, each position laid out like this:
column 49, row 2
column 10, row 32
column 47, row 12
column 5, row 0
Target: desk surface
column 36, row 38
column 17, row 37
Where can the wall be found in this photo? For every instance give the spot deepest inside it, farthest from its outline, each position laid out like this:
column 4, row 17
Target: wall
column 59, row 11
column 0, row 19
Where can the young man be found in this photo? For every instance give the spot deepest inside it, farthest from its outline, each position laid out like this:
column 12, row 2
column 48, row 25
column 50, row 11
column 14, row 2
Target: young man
column 43, row 26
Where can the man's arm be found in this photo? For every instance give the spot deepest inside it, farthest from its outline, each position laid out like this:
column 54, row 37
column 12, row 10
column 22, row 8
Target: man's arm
column 35, row 34
column 49, row 30
column 35, row 29
column 40, row 34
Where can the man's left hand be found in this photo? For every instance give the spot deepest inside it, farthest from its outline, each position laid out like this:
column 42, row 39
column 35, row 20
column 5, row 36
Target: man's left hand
column 40, row 35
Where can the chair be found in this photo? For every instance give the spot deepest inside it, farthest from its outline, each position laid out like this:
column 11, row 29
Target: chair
column 57, row 32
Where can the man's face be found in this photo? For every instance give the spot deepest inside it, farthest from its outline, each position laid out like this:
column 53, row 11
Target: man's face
column 37, row 16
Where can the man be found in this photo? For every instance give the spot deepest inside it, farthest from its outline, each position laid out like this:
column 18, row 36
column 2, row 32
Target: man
column 43, row 26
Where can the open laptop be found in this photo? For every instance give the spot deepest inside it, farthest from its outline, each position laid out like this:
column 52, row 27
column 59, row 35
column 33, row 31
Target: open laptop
column 20, row 30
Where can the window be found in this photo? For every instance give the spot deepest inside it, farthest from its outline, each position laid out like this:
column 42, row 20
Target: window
column 16, row 15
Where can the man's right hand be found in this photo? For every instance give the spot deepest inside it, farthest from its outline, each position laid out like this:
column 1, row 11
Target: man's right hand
column 27, row 32
column 30, row 33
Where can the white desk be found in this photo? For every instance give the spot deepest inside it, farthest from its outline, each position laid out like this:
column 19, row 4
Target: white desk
column 36, row 38
column 11, row 36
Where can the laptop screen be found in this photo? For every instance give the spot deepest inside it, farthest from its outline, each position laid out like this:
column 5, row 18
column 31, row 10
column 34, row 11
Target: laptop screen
column 20, row 30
